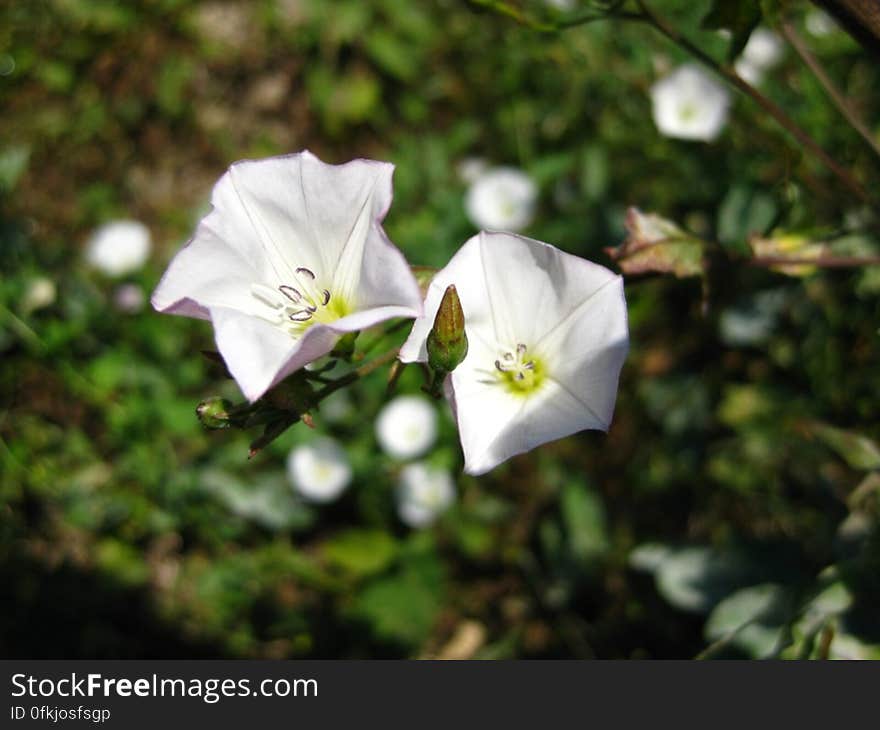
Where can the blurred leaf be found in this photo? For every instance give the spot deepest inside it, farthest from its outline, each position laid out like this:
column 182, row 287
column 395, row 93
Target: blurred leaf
column 391, row 54
column 266, row 499
column 172, row 83
column 584, row 517
column 788, row 246
column 549, row 168
column 744, row 212
column 649, row 557
column 13, row 164
column 475, row 539
column 692, row 578
column 859, row 451
column 360, row 552
column 122, row 561
column 403, row 607
column 743, row 405
column 655, row 244
column 594, row 172
column 751, row 619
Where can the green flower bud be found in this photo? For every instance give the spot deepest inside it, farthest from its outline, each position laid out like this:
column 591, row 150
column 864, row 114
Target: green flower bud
column 214, row 412
column 447, row 342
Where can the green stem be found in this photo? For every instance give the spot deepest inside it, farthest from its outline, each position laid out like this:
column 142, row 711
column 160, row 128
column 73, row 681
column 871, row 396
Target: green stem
column 514, row 13
column 843, row 106
column 357, row 374
column 824, row 262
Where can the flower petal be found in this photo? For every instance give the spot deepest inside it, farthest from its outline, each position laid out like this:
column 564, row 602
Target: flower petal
column 465, row 270
column 260, row 355
column 207, row 272
column 385, row 279
column 305, row 212
column 496, row 427
column 588, row 349
column 533, row 285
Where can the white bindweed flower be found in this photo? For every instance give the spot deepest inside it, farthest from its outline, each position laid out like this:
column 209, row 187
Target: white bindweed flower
column 129, row 298
column 407, row 427
column 470, row 169
column 319, row 471
column 762, row 52
column 119, row 247
column 502, row 198
column 562, row 5
column 40, row 293
column 690, row 104
column 291, row 257
column 819, row 24
column 424, row 492
column 547, row 337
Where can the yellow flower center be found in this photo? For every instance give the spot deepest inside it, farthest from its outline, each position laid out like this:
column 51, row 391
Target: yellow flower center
column 520, row 372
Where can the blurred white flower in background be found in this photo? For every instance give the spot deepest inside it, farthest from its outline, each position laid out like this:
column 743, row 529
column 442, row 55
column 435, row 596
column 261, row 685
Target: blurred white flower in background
column 762, row 52
column 40, row 293
column 819, row 24
column 563, row 5
column 690, row 104
column 502, row 199
column 424, row 492
column 129, row 298
column 319, row 471
column 407, row 427
column 119, row 247
column 470, row 168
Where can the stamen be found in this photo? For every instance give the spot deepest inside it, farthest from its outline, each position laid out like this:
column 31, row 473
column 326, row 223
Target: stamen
column 325, row 298
column 530, row 365
column 301, row 316
column 508, row 356
column 500, row 367
column 291, row 293
column 520, row 349
column 307, row 272
column 519, row 376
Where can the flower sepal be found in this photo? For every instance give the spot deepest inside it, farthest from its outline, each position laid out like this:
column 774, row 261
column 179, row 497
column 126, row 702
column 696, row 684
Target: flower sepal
column 288, row 403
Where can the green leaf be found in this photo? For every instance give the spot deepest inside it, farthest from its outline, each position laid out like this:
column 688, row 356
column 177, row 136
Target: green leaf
column 740, row 17
column 266, row 499
column 13, row 163
column 859, row 451
column 743, row 213
column 584, row 517
column 655, row 244
column 360, row 552
column 403, row 607
column 693, row 578
column 751, row 619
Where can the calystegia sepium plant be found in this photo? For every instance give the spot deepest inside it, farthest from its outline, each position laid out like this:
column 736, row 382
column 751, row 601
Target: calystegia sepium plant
column 292, row 265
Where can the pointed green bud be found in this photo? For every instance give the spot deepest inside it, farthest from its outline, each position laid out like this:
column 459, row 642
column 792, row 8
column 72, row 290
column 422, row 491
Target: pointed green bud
column 447, row 341
column 214, row 412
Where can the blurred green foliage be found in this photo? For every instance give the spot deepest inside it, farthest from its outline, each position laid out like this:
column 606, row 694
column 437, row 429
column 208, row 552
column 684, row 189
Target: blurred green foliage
column 731, row 511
